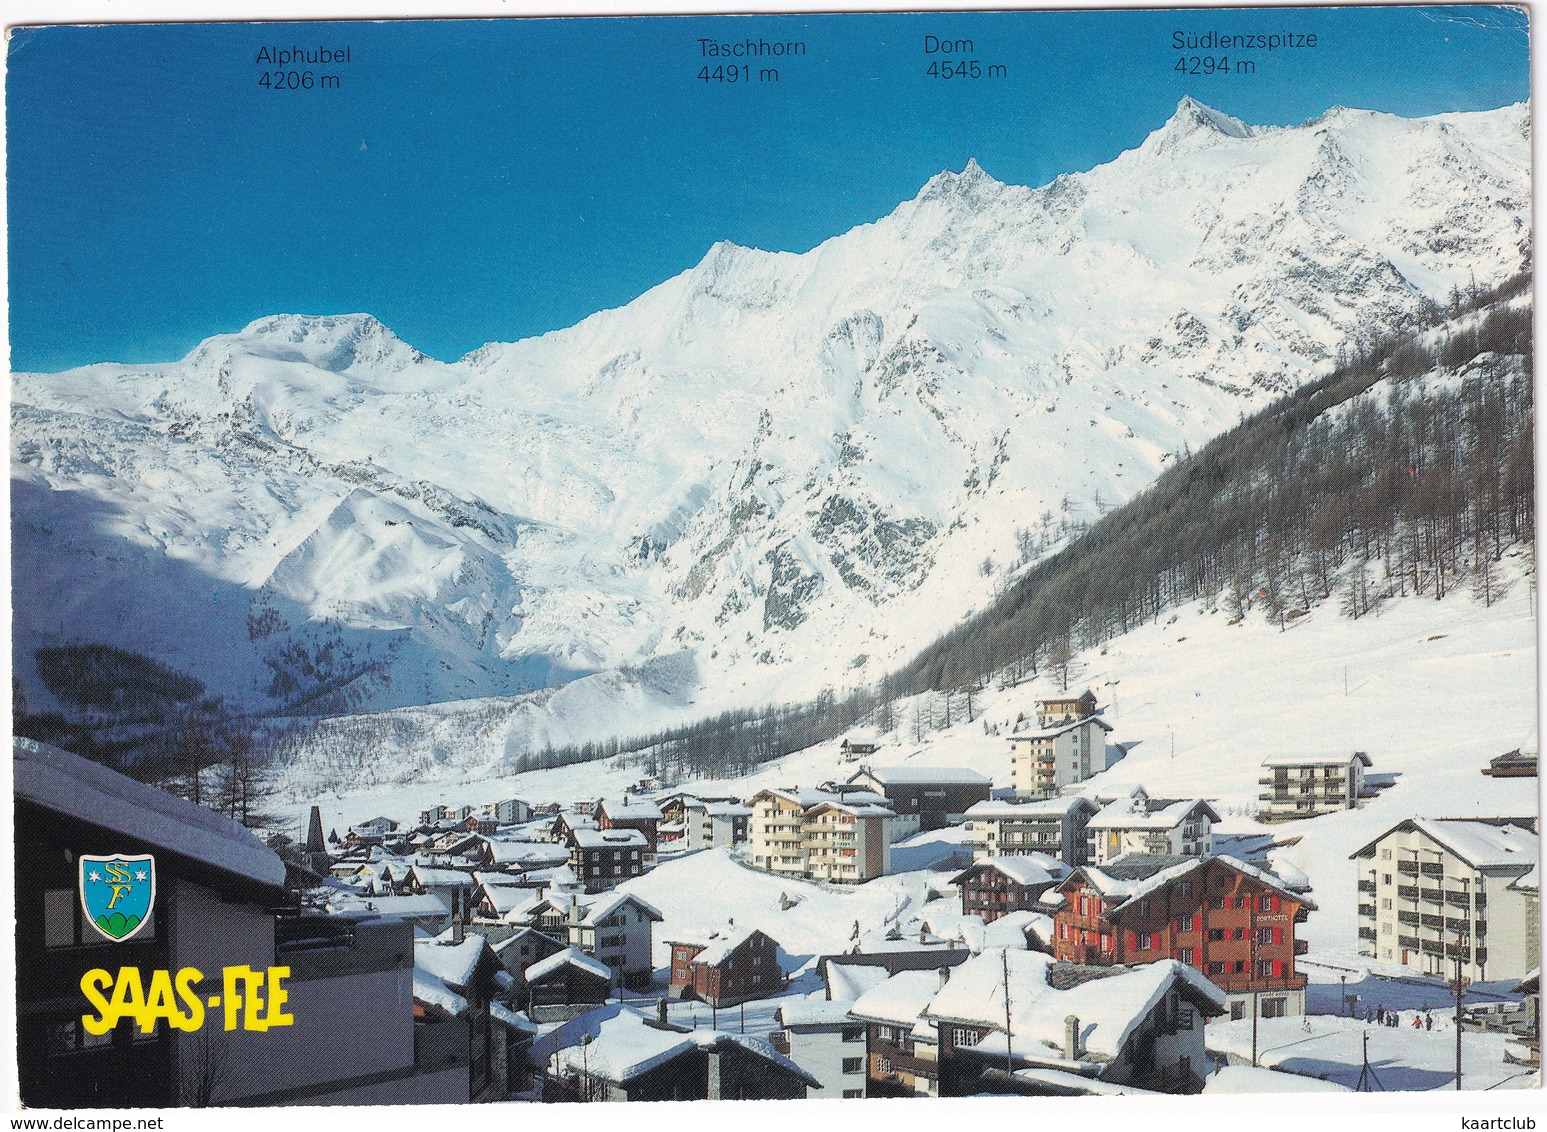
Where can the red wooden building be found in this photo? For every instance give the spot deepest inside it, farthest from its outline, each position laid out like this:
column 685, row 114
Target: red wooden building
column 726, row 967
column 1232, row 921
column 997, row 886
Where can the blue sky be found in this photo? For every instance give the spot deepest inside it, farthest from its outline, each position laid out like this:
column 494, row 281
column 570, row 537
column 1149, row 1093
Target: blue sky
column 481, row 180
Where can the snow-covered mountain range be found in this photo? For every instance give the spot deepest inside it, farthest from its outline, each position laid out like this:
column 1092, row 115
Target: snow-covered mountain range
column 771, row 473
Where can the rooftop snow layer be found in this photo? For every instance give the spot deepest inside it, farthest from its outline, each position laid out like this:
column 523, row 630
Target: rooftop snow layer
column 923, row 776
column 572, row 957
column 89, row 792
column 901, row 999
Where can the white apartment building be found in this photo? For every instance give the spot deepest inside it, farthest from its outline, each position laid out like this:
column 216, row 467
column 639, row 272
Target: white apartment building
column 821, row 835
column 1302, row 786
column 707, row 825
column 1055, row 826
column 1068, row 747
column 1436, row 890
column 819, row 1036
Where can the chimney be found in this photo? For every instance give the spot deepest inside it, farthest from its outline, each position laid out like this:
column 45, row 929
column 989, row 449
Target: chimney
column 945, row 976
column 1072, row 1050
column 660, row 1010
column 574, row 908
column 458, row 909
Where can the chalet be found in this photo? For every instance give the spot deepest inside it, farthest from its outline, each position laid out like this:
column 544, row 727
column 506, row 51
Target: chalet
column 1512, row 765
column 617, row 928
column 519, row 951
column 900, row 1053
column 1160, row 827
column 1435, row 891
column 501, row 903
column 708, row 825
column 641, row 814
column 818, row 1034
column 617, row 1053
column 433, row 815
column 1057, row 755
column 1054, row 827
column 376, row 827
column 997, row 886
column 566, row 822
column 216, row 891
column 1064, row 709
column 565, row 984
column 1140, row 1026
column 858, row 746
column 456, row 978
column 725, row 967
column 1231, row 921
column 479, row 823
column 925, row 797
column 603, row 858
column 1302, row 786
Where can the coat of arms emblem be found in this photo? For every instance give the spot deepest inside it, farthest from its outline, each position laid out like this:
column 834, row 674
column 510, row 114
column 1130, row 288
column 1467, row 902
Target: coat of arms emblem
column 118, row 892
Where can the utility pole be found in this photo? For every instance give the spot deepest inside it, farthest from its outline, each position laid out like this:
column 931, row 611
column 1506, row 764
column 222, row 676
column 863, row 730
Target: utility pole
column 1009, row 1061
column 1251, row 921
column 1458, row 1011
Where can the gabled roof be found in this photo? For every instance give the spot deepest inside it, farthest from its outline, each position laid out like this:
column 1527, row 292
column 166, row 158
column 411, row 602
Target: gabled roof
column 626, row 1044
column 607, row 903
column 922, row 776
column 1134, row 876
column 1059, row 729
column 1151, row 813
column 856, row 809
column 89, row 792
column 720, row 944
column 900, row 1000
column 569, row 957
column 1110, row 1003
column 1031, row 868
column 452, row 963
column 1501, row 843
column 428, row 875
column 634, row 810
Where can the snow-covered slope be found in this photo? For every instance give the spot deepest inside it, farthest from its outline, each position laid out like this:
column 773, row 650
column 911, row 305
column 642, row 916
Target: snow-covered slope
column 771, row 473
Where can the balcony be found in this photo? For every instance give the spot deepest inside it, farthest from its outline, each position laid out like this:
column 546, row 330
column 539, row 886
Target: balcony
column 1302, row 947
column 1366, row 933
column 1407, row 891
column 1367, row 911
column 1367, row 886
column 1409, row 868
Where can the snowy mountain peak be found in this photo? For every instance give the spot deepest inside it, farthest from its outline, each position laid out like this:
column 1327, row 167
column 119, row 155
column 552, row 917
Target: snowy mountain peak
column 337, row 343
column 1191, row 124
column 972, row 185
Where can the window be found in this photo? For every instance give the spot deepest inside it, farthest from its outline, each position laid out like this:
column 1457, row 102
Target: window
column 1240, row 967
column 1264, row 935
column 1106, row 942
column 1217, row 902
column 854, row 1065
column 883, row 1065
column 1265, row 968
column 1385, row 854
column 58, row 918
column 853, row 1094
column 1216, row 935
column 1216, row 968
column 1385, row 903
column 966, row 1037
column 1238, row 933
column 1184, row 954
column 1184, row 923
column 1385, row 878
column 1184, row 888
column 1145, row 941
column 852, row 1034
column 1144, row 906
column 1275, row 1007
column 1240, row 902
column 1264, row 903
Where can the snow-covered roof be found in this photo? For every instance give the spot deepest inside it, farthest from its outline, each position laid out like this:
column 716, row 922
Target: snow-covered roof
column 1062, row 1081
column 847, row 981
column 429, row 875
column 922, row 776
column 626, row 1044
column 609, row 902
column 1150, row 813
column 1029, row 868
column 1289, row 759
column 1528, row 882
column 505, row 1015
column 727, row 810
column 572, row 957
column 814, row 1009
column 1481, row 844
column 433, row 991
column 504, row 898
column 635, row 809
column 1059, row 729
column 1051, row 808
column 69, row 784
column 856, row 809
column 450, row 962
column 1135, row 875
column 900, row 999
column 717, row 944
column 609, row 838
column 409, row 907
column 1109, row 1006
column 522, row 934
